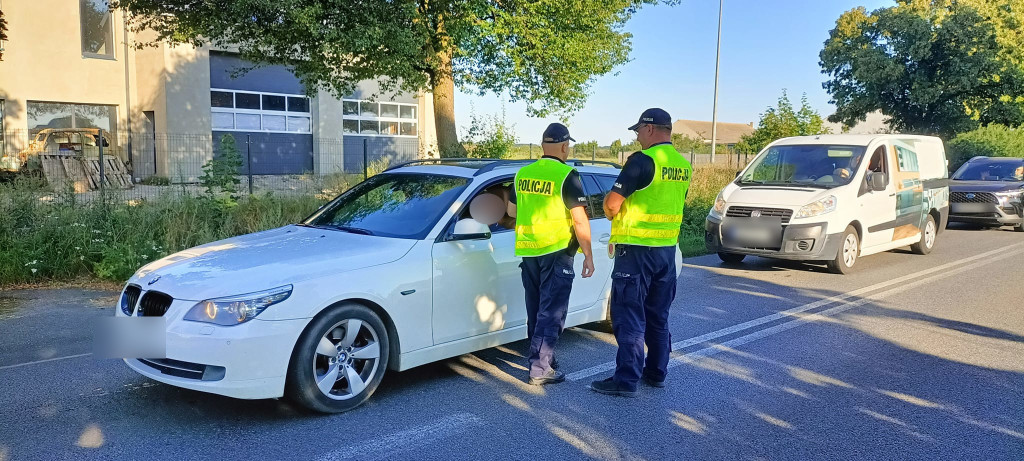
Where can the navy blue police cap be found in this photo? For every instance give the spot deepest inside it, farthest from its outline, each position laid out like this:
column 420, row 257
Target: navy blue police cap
column 556, row 133
column 653, row 116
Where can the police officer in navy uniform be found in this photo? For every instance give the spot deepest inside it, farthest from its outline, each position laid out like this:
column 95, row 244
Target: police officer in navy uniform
column 551, row 227
column 646, row 209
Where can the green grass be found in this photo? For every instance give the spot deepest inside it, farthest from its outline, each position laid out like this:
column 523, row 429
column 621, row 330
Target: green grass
column 66, row 240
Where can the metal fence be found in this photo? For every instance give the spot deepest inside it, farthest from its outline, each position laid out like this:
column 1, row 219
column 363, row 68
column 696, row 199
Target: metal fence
column 133, row 166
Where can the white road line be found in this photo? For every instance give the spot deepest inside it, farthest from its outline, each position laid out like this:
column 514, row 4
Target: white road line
column 712, row 350
column 385, row 447
column 608, row 366
column 16, row 365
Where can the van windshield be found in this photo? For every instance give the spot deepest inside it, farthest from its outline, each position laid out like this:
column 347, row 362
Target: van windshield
column 813, row 165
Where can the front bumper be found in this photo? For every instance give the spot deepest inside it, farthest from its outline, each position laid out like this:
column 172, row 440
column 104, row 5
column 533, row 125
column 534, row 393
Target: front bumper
column 803, row 242
column 1006, row 214
column 247, row 361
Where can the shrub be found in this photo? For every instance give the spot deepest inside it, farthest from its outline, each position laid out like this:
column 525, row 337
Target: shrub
column 990, row 141
column 489, row 136
column 155, row 181
column 220, row 174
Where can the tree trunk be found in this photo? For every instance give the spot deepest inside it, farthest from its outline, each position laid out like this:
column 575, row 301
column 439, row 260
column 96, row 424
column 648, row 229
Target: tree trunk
column 444, row 112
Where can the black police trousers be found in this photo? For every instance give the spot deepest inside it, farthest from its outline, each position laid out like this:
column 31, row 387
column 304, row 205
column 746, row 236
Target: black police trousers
column 643, row 287
column 548, row 283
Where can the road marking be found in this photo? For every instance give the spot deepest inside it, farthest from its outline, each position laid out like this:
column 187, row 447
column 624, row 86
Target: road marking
column 926, row 274
column 385, row 447
column 16, row 365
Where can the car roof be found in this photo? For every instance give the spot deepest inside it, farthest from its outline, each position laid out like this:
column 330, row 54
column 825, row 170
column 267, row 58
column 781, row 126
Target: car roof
column 850, row 139
column 487, row 168
column 997, row 159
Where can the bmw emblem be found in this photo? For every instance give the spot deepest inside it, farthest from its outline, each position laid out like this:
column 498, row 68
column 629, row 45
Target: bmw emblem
column 970, row 196
column 755, row 214
column 153, row 280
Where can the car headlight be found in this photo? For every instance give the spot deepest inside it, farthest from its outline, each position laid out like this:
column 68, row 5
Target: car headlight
column 818, row 208
column 1010, row 196
column 719, row 207
column 236, row 310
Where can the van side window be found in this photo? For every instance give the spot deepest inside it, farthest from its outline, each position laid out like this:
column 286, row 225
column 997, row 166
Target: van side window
column 877, row 163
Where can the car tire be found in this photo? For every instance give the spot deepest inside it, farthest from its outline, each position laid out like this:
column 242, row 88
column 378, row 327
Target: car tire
column 928, row 235
column 731, row 258
column 339, row 360
column 1019, row 227
column 847, row 254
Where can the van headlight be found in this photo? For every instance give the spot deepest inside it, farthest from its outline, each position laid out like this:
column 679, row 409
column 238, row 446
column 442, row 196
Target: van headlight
column 236, row 310
column 719, row 207
column 818, row 208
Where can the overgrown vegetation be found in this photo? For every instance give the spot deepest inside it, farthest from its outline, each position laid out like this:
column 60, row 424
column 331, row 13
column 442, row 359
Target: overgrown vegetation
column 66, row 239
column 990, row 141
column 155, row 181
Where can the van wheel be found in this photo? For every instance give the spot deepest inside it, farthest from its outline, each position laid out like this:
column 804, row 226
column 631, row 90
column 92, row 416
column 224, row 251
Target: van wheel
column 927, row 238
column 731, row 258
column 849, row 252
column 339, row 360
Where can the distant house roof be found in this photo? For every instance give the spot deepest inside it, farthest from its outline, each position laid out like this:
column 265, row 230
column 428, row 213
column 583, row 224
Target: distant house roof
column 874, row 123
column 728, row 133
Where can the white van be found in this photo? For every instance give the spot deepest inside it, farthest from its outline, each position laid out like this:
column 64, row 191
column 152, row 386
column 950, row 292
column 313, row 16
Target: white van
column 833, row 198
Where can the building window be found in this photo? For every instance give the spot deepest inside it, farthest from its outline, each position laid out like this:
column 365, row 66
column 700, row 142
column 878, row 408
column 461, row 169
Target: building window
column 43, row 115
column 251, row 111
column 378, row 119
column 97, row 28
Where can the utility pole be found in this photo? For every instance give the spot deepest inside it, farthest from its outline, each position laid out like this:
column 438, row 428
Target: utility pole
column 718, row 59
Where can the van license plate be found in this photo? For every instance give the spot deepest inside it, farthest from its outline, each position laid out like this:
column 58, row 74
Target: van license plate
column 754, row 234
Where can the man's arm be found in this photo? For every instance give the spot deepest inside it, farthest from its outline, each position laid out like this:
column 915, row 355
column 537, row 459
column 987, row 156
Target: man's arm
column 613, row 204
column 636, row 174
column 581, row 222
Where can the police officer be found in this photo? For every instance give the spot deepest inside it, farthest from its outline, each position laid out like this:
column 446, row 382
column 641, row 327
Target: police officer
column 551, row 227
column 646, row 209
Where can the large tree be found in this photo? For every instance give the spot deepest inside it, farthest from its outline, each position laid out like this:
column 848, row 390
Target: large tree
column 543, row 52
column 932, row 66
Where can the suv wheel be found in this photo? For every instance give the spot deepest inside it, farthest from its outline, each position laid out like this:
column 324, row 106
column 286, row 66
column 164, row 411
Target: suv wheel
column 1019, row 227
column 927, row 242
column 339, row 360
column 849, row 252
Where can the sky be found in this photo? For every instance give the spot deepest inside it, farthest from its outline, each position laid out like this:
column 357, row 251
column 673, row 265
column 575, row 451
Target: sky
column 767, row 46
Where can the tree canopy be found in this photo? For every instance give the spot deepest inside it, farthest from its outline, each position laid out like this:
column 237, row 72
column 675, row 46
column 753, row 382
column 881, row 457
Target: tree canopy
column 543, row 52
column 932, row 66
column 783, row 121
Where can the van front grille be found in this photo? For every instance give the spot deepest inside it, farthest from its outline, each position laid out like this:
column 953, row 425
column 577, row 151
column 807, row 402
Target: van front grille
column 747, row 212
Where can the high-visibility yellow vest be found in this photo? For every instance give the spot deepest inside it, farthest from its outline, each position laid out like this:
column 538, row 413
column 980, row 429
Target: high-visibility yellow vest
column 653, row 215
column 543, row 223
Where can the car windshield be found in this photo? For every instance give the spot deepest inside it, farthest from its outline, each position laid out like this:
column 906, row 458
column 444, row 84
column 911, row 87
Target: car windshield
column 395, row 205
column 991, row 171
column 814, row 165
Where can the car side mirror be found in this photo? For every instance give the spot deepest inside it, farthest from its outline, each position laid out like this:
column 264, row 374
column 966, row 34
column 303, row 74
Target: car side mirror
column 470, row 229
column 878, row 181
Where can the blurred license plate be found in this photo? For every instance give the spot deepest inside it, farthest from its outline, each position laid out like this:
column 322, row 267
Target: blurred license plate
column 755, row 234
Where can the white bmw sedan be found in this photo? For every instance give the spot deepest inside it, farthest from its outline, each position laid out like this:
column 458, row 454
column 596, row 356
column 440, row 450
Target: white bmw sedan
column 392, row 274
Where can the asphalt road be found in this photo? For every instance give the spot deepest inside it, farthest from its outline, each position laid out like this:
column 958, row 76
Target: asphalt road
column 911, row 357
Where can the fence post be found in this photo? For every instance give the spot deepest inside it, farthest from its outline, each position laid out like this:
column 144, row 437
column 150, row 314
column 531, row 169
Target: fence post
column 531, row 151
column 102, row 175
column 248, row 161
column 594, row 157
column 693, row 159
column 366, row 169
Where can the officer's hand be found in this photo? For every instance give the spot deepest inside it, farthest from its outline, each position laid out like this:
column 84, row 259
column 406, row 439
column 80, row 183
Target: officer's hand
column 588, row 266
